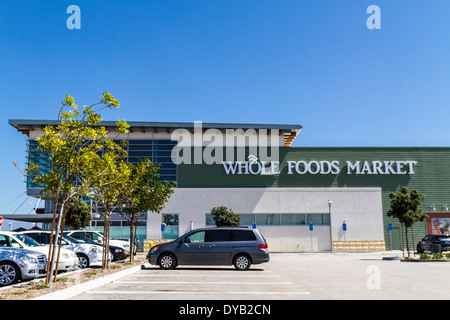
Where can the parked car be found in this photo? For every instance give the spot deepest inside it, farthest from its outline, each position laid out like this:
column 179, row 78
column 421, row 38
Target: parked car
column 98, row 237
column 137, row 245
column 434, row 243
column 117, row 252
column 238, row 246
column 89, row 255
column 17, row 264
column 67, row 260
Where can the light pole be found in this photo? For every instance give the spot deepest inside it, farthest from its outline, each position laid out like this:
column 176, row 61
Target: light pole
column 331, row 229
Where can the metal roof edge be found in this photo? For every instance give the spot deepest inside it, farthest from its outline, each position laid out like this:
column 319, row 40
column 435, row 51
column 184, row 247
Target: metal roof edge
column 17, row 122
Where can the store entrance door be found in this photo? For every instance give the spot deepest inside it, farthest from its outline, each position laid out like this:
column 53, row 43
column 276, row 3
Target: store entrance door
column 170, row 222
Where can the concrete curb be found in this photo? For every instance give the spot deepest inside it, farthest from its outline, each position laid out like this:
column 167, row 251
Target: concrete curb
column 75, row 290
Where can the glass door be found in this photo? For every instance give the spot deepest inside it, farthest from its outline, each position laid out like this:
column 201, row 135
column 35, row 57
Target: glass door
column 170, row 229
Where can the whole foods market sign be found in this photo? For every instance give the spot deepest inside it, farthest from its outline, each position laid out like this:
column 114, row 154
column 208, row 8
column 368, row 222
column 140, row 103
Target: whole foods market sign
column 211, row 146
column 256, row 167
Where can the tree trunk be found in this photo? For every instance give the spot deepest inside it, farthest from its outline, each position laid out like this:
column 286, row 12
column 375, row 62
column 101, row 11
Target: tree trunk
column 403, row 242
column 50, row 262
column 406, row 238
column 60, row 241
column 132, row 239
column 105, row 234
column 135, row 236
column 57, row 236
column 107, row 241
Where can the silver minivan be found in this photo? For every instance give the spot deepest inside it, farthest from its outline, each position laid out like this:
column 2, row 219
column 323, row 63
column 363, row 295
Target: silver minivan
column 238, row 246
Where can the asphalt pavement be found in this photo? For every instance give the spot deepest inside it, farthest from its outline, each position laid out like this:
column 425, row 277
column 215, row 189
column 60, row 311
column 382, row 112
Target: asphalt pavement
column 288, row 276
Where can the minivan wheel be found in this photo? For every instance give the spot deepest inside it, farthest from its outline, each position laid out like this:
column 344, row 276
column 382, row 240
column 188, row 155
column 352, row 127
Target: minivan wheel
column 167, row 261
column 242, row 262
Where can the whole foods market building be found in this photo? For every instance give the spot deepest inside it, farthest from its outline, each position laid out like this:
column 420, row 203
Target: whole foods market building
column 302, row 199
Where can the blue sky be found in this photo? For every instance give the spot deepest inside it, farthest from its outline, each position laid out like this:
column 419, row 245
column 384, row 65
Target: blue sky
column 313, row 63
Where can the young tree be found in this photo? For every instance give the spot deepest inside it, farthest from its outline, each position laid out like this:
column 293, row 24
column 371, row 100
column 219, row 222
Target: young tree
column 109, row 188
column 70, row 145
column 145, row 192
column 78, row 213
column 224, row 217
column 404, row 207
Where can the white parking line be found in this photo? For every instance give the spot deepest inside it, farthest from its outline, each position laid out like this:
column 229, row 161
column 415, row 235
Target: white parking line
column 209, row 292
column 202, row 275
column 191, row 282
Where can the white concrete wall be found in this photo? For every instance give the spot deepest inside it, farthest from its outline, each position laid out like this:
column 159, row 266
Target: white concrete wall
column 361, row 208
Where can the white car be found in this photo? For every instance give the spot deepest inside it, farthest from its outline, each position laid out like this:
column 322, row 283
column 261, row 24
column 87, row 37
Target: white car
column 97, row 237
column 89, row 255
column 68, row 260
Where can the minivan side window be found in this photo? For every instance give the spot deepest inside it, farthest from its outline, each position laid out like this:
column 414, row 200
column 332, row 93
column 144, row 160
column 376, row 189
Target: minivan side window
column 243, row 235
column 218, row 235
column 196, row 237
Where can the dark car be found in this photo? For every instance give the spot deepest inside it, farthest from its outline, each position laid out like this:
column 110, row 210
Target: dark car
column 434, row 243
column 117, row 252
column 238, row 246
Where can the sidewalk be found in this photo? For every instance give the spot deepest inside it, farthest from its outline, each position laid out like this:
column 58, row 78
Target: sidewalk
column 74, row 290
column 70, row 283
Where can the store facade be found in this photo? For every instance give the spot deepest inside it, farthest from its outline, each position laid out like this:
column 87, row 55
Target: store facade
column 357, row 181
column 302, row 199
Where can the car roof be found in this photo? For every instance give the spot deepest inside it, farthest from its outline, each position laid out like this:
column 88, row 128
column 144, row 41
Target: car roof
column 10, row 233
column 37, row 231
column 223, row 228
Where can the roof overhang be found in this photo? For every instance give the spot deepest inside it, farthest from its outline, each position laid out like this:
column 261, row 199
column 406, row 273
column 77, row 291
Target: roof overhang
column 48, row 217
column 44, row 218
column 289, row 132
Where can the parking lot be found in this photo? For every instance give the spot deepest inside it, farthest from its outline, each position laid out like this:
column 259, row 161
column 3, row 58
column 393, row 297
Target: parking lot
column 287, row 276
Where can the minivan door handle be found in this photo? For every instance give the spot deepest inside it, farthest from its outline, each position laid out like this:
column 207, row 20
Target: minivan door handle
column 201, row 245
column 212, row 245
